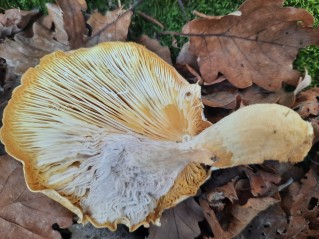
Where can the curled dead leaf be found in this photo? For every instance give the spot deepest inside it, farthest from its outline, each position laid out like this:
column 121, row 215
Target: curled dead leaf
column 14, row 20
column 239, row 216
column 24, row 52
column 261, row 181
column 74, row 22
column 218, row 194
column 307, row 103
column 24, row 214
column 227, row 96
column 56, row 17
column 301, row 202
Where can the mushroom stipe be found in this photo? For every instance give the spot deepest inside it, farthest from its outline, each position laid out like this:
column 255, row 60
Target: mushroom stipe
column 117, row 136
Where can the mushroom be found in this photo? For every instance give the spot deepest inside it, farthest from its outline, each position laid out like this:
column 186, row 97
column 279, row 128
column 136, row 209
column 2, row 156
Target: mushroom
column 116, row 135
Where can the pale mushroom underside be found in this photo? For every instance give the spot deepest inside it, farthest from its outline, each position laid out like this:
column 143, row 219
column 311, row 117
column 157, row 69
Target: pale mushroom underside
column 116, row 135
column 99, row 131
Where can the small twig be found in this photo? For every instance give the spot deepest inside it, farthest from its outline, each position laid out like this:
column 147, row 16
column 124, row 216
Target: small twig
column 181, row 5
column 151, row 19
column 199, row 14
column 113, row 22
column 285, row 185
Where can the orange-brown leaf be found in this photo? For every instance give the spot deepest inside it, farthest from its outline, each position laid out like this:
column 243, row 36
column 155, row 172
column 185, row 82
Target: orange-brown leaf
column 74, row 22
column 261, row 181
column 24, row 214
column 257, row 47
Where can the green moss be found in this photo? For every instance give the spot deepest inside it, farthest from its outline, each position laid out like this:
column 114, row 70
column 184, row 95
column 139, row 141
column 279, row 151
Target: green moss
column 308, row 57
column 170, row 14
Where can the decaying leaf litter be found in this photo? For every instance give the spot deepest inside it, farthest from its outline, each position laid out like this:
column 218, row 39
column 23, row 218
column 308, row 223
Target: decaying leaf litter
column 234, row 202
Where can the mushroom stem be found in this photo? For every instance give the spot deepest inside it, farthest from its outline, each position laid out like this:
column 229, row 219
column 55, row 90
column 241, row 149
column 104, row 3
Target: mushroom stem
column 254, row 134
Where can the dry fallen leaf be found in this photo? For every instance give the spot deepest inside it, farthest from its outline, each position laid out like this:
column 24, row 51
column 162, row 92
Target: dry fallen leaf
column 228, row 96
column 156, row 47
column 222, row 95
column 269, row 224
column 56, row 17
column 23, row 51
column 238, row 218
column 14, row 20
column 74, row 22
column 261, row 181
column 24, row 214
column 180, row 222
column 113, row 26
column 302, row 204
column 258, row 46
column 307, row 103
column 219, row 194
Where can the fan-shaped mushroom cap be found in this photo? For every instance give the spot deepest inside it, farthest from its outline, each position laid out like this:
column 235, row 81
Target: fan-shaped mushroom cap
column 116, row 135
column 96, row 130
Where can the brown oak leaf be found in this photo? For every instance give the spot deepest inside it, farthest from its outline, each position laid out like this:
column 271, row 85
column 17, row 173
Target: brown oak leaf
column 24, row 214
column 218, row 194
column 261, row 181
column 74, row 22
column 227, row 96
column 238, row 219
column 269, row 224
column 180, row 222
column 302, row 204
column 56, row 17
column 113, row 26
column 258, row 46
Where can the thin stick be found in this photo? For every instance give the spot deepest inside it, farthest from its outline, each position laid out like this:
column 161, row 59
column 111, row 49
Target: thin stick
column 199, row 14
column 181, row 5
column 151, row 19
